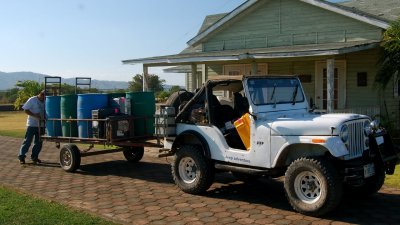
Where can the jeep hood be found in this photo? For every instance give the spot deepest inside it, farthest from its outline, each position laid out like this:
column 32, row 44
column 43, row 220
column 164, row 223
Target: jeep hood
column 311, row 124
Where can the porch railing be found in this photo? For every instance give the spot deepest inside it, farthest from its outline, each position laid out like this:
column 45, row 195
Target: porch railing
column 370, row 111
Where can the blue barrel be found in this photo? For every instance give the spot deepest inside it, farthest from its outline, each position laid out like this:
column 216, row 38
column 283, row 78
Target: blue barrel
column 87, row 103
column 53, row 127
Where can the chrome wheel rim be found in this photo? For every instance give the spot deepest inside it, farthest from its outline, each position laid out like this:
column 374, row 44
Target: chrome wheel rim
column 307, row 187
column 188, row 170
column 66, row 158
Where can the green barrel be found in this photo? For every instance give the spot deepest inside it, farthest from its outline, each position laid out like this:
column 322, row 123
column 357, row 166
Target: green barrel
column 68, row 107
column 142, row 104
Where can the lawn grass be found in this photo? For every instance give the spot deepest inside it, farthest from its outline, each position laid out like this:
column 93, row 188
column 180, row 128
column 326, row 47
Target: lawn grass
column 13, row 124
column 18, row 208
column 393, row 180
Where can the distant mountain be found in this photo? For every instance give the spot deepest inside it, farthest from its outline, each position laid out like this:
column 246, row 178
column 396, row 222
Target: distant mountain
column 8, row 80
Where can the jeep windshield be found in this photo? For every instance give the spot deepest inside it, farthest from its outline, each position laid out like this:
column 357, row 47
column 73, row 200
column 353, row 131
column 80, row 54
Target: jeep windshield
column 272, row 91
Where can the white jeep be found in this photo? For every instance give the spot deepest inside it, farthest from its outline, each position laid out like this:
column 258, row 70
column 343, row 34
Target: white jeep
column 264, row 127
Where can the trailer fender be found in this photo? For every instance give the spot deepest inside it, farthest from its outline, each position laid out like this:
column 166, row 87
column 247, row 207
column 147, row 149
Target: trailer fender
column 192, row 137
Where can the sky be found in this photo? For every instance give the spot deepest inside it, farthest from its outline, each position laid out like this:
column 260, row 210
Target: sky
column 75, row 38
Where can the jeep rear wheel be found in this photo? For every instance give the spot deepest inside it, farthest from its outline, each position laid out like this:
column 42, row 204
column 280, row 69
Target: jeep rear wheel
column 313, row 186
column 191, row 170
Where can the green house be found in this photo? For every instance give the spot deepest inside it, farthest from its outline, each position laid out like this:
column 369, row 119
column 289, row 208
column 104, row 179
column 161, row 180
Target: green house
column 333, row 48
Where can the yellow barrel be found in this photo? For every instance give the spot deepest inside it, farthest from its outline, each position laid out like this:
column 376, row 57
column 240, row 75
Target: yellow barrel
column 242, row 126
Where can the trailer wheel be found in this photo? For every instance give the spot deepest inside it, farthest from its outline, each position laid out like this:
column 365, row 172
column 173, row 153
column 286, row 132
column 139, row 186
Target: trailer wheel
column 191, row 170
column 313, row 186
column 70, row 157
column 133, row 154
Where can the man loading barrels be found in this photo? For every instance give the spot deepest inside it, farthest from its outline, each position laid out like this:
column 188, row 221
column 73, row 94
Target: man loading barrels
column 34, row 108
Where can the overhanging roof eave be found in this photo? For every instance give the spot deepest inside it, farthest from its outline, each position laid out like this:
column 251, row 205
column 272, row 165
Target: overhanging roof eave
column 179, row 60
column 248, row 54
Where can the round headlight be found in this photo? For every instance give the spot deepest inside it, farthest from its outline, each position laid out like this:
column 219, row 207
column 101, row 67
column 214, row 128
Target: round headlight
column 374, row 125
column 344, row 133
column 367, row 128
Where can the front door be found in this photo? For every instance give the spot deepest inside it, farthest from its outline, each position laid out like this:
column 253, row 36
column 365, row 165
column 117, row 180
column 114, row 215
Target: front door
column 339, row 100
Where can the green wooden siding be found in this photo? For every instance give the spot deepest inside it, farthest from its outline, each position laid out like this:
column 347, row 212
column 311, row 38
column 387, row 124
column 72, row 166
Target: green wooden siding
column 365, row 61
column 285, row 23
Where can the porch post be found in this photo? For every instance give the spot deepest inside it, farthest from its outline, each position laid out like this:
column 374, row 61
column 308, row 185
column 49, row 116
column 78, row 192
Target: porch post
column 204, row 73
column 253, row 68
column 145, row 74
column 330, row 82
column 194, row 77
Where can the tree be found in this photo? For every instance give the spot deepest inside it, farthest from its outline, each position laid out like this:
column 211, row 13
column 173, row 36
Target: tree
column 28, row 88
column 154, row 83
column 390, row 61
column 174, row 88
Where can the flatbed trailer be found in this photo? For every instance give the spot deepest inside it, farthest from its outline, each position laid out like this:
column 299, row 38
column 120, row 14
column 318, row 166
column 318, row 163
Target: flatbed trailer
column 130, row 145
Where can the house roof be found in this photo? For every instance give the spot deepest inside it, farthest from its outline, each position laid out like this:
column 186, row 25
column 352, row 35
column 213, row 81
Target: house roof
column 258, row 53
column 388, row 10
column 374, row 11
column 210, row 20
column 350, row 11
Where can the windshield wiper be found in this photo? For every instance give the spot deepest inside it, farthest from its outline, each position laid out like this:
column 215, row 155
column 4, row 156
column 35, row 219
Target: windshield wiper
column 295, row 94
column 273, row 92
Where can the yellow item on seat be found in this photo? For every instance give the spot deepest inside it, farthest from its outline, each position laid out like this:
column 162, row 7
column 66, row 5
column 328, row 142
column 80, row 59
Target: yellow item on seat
column 242, row 126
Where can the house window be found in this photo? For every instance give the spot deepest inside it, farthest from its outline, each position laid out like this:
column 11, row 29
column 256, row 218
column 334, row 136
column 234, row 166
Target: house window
column 362, row 80
column 306, row 78
column 244, row 69
column 234, row 72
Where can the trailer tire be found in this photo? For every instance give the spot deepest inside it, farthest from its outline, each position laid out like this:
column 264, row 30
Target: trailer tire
column 192, row 172
column 133, row 154
column 70, row 157
column 312, row 186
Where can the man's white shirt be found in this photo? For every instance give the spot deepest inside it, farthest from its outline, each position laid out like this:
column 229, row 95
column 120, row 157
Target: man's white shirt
column 35, row 106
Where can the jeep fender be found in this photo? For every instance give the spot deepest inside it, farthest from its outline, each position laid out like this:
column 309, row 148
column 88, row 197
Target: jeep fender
column 309, row 146
column 192, row 137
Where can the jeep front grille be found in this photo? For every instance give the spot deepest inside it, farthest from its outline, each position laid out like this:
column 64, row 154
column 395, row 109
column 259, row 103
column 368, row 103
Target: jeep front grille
column 356, row 142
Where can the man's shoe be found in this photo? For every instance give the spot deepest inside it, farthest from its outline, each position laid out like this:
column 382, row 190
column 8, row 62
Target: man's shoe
column 21, row 161
column 36, row 161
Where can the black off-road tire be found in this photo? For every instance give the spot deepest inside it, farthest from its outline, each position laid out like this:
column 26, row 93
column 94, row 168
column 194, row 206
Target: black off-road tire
column 315, row 175
column 133, row 154
column 192, row 172
column 70, row 157
column 177, row 98
column 372, row 185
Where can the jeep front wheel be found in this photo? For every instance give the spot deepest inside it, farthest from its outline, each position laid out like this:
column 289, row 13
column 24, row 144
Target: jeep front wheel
column 191, row 170
column 313, row 186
